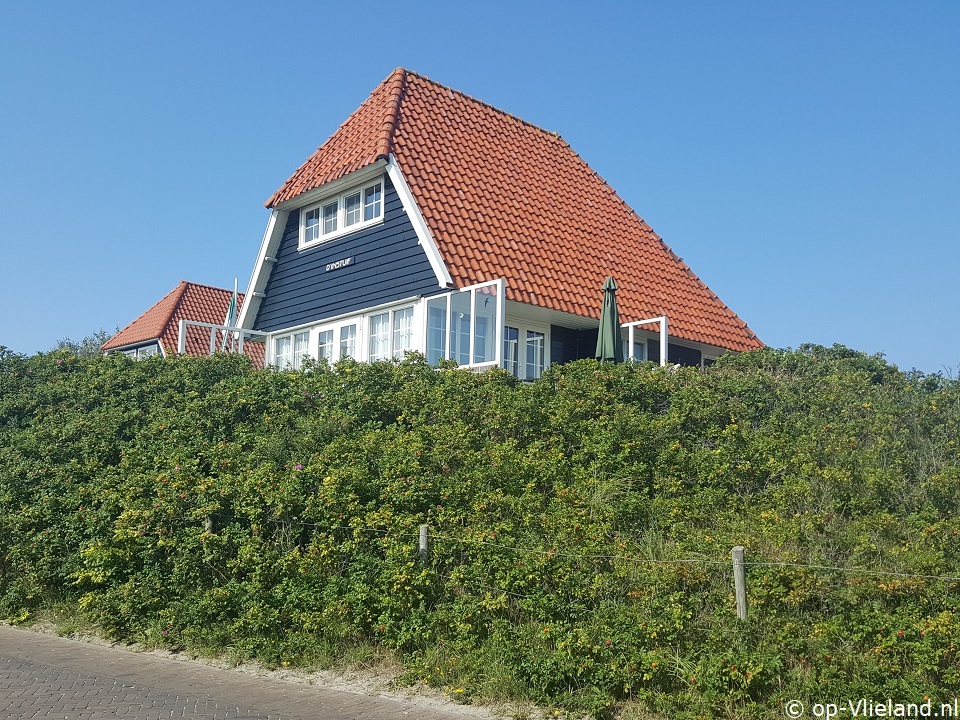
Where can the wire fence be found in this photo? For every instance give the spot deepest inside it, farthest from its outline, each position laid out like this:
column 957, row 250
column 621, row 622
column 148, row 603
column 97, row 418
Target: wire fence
column 553, row 552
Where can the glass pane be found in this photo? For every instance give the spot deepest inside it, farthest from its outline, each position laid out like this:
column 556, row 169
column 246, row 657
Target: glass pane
column 535, row 347
column 485, row 330
column 325, row 345
column 380, row 337
column 329, row 218
column 436, row 329
column 402, row 331
column 311, row 225
column 351, row 206
column 281, row 352
column 372, row 202
column 348, row 341
column 460, row 327
column 511, row 351
column 301, row 342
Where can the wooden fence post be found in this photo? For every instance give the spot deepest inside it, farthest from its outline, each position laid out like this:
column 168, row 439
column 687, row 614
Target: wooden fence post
column 740, row 582
column 424, row 548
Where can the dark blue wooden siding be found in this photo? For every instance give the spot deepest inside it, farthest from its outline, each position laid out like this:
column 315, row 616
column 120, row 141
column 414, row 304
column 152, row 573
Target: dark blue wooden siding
column 676, row 354
column 387, row 265
column 567, row 345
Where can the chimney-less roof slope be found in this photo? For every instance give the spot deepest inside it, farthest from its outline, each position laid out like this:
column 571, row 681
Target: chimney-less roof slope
column 188, row 301
column 504, row 198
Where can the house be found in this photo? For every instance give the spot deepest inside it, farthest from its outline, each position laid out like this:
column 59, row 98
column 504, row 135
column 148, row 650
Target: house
column 157, row 331
column 434, row 222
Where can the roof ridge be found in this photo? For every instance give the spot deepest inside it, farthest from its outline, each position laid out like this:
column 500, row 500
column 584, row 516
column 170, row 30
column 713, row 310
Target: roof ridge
column 384, row 141
column 182, row 287
column 398, row 78
column 211, row 287
column 485, row 104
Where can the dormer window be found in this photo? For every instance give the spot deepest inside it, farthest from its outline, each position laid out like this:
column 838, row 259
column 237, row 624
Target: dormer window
column 341, row 214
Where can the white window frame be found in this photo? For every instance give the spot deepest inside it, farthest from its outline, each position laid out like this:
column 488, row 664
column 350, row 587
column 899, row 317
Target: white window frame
column 357, row 339
column 523, row 327
column 145, row 351
column 391, row 348
column 299, row 348
column 472, row 292
column 341, row 215
column 334, row 342
column 362, row 322
column 396, row 348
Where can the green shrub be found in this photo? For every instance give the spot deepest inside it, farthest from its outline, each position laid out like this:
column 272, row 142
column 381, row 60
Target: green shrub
column 580, row 526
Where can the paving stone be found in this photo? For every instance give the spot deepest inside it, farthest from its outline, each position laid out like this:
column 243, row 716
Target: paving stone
column 44, row 677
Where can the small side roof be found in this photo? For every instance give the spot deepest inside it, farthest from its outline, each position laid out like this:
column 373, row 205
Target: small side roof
column 503, row 198
column 188, row 301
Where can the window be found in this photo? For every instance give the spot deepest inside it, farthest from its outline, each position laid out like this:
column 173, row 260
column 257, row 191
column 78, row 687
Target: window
column 391, row 334
column 639, row 349
column 290, row 350
column 301, row 344
column 485, row 323
column 311, row 225
column 525, row 352
column 437, row 329
column 325, row 345
column 330, row 218
column 349, row 211
column 372, row 200
column 281, row 352
column 511, row 351
column 348, row 341
column 379, row 337
column 536, row 342
column 402, row 331
column 466, row 325
column 142, row 352
column 460, row 323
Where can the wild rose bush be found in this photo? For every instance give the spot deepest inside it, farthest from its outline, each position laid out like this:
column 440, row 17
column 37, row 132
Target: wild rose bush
column 580, row 526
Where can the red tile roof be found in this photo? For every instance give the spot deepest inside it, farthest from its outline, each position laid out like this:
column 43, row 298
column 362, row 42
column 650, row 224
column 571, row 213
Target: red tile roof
column 504, row 198
column 188, row 301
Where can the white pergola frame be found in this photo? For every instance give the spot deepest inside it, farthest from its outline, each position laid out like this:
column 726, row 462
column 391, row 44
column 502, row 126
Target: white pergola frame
column 662, row 321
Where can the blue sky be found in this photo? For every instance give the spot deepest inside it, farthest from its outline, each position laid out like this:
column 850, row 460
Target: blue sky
column 803, row 158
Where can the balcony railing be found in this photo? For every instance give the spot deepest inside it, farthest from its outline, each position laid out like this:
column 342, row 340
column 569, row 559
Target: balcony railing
column 231, row 338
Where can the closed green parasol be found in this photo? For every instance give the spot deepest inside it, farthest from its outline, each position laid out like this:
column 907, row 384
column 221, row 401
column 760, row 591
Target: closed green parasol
column 609, row 343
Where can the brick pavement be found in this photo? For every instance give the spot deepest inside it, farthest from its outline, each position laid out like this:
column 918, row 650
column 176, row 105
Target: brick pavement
column 44, row 677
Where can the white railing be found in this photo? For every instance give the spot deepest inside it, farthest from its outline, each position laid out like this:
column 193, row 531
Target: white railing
column 662, row 321
column 232, row 339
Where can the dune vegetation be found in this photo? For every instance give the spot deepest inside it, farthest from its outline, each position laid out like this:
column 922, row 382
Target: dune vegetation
column 580, row 527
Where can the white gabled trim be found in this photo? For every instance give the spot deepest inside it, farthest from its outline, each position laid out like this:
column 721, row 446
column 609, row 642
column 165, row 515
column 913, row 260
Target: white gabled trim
column 261, row 271
column 419, row 225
